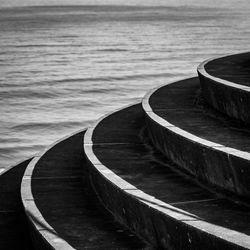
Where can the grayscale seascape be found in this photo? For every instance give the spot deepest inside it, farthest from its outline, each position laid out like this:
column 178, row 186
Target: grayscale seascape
column 63, row 67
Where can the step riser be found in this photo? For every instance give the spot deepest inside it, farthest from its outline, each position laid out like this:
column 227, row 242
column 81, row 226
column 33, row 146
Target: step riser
column 38, row 241
column 233, row 101
column 157, row 228
column 14, row 231
column 217, row 168
column 42, row 234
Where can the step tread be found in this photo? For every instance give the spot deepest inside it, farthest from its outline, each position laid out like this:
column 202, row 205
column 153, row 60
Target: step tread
column 176, row 104
column 68, row 205
column 233, row 68
column 134, row 160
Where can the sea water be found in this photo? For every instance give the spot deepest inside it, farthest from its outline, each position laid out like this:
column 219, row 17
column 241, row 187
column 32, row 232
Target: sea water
column 63, row 67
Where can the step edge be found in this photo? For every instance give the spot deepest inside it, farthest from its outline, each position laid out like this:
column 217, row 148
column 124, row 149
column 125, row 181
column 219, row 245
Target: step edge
column 32, row 211
column 235, row 238
column 175, row 129
column 4, row 170
column 201, row 69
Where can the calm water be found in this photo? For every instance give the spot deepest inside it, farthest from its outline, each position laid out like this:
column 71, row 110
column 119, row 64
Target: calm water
column 63, row 67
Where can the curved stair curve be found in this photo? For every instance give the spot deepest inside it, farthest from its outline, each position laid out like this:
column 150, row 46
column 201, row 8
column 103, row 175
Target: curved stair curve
column 225, row 83
column 147, row 196
column 207, row 145
column 61, row 208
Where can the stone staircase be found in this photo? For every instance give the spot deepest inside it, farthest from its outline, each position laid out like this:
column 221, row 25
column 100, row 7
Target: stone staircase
column 171, row 172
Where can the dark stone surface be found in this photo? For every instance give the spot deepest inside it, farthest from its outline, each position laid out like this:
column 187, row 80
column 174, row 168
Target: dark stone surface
column 139, row 164
column 64, row 198
column 210, row 165
column 111, row 132
column 234, row 68
column 234, row 102
column 13, row 226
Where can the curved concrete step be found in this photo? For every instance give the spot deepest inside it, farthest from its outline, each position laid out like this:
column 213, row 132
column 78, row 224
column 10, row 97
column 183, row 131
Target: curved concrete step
column 207, row 145
column 13, row 226
column 225, row 83
column 62, row 209
column 141, row 190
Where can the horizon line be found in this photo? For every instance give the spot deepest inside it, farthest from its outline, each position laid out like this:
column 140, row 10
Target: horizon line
column 107, row 5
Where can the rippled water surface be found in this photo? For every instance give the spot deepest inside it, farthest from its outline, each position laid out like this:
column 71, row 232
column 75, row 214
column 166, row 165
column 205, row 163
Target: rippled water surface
column 63, row 67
